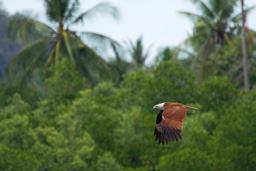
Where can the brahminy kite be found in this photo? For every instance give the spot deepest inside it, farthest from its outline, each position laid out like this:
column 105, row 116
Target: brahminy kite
column 169, row 121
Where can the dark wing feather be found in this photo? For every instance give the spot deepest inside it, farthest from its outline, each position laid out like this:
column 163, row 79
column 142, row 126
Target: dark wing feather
column 166, row 134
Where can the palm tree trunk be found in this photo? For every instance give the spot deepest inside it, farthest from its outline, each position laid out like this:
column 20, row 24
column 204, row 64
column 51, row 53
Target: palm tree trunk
column 244, row 51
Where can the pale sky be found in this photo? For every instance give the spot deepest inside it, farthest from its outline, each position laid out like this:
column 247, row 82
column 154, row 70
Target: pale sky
column 158, row 21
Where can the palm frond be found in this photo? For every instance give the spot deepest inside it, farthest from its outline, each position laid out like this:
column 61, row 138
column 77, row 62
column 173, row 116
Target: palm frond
column 68, row 46
column 90, row 64
column 196, row 17
column 26, row 29
column 72, row 10
column 138, row 52
column 100, row 40
column 56, row 9
column 52, row 51
column 206, row 10
column 192, row 16
column 228, row 8
column 101, row 8
column 28, row 58
column 119, row 65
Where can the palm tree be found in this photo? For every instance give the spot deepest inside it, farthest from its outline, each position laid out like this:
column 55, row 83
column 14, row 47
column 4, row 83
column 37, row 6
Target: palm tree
column 50, row 43
column 119, row 64
column 217, row 20
column 166, row 54
column 244, row 50
column 138, row 52
column 215, row 24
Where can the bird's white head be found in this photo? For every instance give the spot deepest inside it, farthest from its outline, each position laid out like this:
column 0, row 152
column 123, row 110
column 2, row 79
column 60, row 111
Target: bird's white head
column 159, row 106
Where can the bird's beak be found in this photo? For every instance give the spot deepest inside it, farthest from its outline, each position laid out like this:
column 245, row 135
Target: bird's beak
column 155, row 107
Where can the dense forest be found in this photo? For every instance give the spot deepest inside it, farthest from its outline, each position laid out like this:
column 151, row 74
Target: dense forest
column 65, row 107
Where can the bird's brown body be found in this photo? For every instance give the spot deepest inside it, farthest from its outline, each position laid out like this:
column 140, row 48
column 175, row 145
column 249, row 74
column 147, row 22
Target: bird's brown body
column 169, row 121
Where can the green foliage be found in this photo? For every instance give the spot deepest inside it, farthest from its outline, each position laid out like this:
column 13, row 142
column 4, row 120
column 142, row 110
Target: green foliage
column 79, row 127
column 185, row 159
column 96, row 114
column 17, row 159
column 174, row 83
column 107, row 162
column 236, row 132
column 64, row 81
column 129, row 132
column 150, row 87
column 58, row 120
column 216, row 93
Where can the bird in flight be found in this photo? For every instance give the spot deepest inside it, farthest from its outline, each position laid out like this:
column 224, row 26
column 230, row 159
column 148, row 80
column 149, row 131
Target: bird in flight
column 169, row 121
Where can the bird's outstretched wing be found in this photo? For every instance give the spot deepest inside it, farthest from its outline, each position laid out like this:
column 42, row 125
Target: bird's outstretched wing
column 169, row 124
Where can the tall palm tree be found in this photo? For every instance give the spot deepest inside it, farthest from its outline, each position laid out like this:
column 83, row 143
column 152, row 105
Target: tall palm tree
column 244, row 50
column 50, row 43
column 216, row 20
column 215, row 24
column 138, row 52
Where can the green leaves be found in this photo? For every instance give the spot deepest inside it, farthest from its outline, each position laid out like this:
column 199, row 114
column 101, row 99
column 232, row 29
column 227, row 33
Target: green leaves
column 107, row 161
column 184, row 160
column 78, row 127
column 216, row 93
column 64, row 81
column 17, row 159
